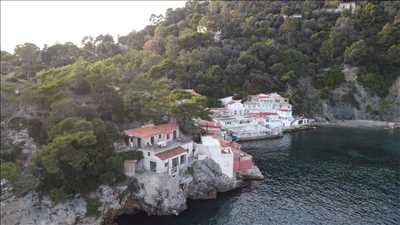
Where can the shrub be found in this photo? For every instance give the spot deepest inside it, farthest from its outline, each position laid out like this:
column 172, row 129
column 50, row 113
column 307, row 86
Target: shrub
column 8, row 170
column 330, row 78
column 131, row 155
column 37, row 131
column 92, row 207
column 58, row 195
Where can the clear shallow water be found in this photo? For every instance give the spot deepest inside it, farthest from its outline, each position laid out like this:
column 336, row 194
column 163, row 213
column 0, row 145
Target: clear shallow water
column 324, row 176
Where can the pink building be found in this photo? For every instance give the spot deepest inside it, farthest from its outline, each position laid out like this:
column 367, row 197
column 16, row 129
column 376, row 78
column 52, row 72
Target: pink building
column 210, row 127
column 241, row 160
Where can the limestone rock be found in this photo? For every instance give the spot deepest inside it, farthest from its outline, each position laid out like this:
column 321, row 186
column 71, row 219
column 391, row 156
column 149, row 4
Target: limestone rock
column 157, row 194
column 34, row 210
column 251, row 174
column 208, row 180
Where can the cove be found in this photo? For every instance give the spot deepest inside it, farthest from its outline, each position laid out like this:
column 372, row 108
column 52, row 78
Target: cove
column 329, row 175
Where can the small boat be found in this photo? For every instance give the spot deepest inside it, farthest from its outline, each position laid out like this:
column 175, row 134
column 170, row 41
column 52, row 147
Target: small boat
column 249, row 135
column 254, row 138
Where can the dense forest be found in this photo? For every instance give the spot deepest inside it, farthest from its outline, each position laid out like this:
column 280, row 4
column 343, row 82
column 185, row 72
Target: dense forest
column 74, row 101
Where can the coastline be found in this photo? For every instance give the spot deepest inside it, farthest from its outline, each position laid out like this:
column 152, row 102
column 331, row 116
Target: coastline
column 361, row 124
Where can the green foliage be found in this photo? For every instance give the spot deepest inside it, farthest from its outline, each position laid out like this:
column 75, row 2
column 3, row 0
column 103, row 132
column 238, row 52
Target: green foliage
column 356, row 53
column 329, row 78
column 92, row 207
column 131, row 155
column 147, row 99
column 83, row 94
column 74, row 160
column 186, row 107
column 8, row 170
column 374, row 82
column 58, row 195
column 37, row 130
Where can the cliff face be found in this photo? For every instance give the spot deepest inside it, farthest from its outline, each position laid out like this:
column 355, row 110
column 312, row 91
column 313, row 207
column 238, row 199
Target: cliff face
column 31, row 209
column 152, row 193
column 352, row 101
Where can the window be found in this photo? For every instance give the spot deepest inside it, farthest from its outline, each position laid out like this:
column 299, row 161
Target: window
column 167, row 136
column 152, row 140
column 148, row 153
column 183, row 159
column 174, row 134
column 175, row 162
column 159, row 136
column 153, row 166
column 166, row 164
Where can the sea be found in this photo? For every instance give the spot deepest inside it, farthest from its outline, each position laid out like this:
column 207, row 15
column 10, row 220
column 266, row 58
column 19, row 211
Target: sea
column 329, row 175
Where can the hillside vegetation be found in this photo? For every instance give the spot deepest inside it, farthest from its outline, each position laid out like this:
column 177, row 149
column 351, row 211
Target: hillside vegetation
column 75, row 101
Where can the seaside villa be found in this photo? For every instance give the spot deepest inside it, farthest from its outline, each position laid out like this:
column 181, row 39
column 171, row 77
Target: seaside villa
column 226, row 154
column 164, row 148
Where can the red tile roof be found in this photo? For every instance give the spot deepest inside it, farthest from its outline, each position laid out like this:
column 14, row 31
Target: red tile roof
column 263, row 114
column 209, row 124
column 170, row 153
column 225, row 143
column 151, row 131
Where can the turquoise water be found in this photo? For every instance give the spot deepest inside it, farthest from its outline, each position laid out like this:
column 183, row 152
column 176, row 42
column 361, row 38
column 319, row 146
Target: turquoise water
column 323, row 176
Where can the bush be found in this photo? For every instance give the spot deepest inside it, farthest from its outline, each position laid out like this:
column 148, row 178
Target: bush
column 25, row 183
column 8, row 170
column 58, row 195
column 37, row 131
column 329, row 78
column 131, row 155
column 92, row 207
column 375, row 83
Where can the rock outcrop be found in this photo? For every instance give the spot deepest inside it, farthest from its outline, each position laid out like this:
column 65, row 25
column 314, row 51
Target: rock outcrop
column 208, row 180
column 155, row 194
column 33, row 209
column 251, row 174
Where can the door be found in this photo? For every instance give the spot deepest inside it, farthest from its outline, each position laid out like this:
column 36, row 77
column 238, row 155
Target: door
column 175, row 164
column 174, row 135
column 153, row 166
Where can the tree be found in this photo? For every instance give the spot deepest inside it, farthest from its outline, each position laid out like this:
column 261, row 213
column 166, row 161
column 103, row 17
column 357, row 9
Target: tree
column 28, row 55
column 356, row 53
column 135, row 40
column 60, row 54
column 105, row 46
column 185, row 107
column 156, row 19
column 8, row 170
column 62, row 109
column 147, row 99
column 172, row 47
column 73, row 161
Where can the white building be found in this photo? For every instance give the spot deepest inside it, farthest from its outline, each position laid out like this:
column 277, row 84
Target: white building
column 211, row 147
column 201, row 29
column 225, row 100
column 164, row 149
column 346, row 6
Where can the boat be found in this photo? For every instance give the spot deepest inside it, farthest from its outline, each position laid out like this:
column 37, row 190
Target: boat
column 253, row 133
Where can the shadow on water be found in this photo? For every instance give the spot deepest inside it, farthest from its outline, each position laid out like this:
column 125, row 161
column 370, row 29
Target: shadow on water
column 323, row 176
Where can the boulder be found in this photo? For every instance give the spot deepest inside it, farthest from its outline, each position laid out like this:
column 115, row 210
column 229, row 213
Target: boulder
column 208, row 180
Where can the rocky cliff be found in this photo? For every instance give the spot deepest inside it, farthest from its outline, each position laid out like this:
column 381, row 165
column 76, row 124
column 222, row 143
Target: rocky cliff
column 152, row 193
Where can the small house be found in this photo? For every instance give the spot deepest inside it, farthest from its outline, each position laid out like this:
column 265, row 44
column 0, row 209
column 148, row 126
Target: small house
column 164, row 148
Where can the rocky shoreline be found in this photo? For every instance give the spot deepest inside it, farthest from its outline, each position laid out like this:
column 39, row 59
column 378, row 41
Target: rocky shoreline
column 361, row 124
column 152, row 193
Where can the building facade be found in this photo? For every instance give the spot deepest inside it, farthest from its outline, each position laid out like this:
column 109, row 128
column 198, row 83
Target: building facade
column 164, row 148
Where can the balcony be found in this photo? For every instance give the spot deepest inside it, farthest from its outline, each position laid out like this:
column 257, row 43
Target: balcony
column 159, row 147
